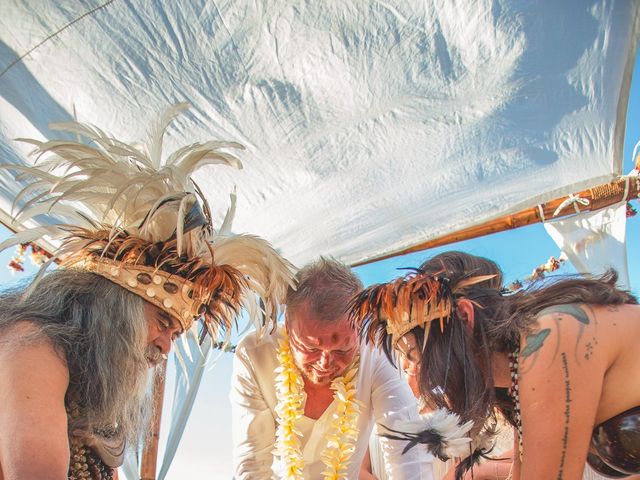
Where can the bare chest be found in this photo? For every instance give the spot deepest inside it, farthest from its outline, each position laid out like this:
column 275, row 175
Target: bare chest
column 318, row 400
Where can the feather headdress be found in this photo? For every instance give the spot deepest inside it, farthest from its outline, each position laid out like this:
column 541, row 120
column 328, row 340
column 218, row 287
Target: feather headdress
column 136, row 217
column 395, row 308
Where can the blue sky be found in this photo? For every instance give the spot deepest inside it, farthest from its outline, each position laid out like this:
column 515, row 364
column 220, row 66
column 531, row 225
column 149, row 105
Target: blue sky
column 205, row 450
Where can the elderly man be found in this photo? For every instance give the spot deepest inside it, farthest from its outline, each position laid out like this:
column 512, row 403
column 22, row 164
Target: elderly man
column 137, row 269
column 305, row 400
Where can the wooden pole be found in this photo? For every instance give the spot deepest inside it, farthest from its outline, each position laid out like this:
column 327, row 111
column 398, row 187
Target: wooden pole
column 150, row 452
column 598, row 197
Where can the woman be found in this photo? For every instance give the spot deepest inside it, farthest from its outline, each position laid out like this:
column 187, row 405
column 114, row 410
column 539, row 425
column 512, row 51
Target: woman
column 558, row 361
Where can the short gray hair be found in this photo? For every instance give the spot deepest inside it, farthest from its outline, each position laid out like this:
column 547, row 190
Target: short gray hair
column 327, row 286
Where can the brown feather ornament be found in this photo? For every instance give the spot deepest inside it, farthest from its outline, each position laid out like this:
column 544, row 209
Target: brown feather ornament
column 397, row 307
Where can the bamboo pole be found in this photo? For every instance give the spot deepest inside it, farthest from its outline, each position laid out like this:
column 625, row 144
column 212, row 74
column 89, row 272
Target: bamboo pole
column 599, row 197
column 150, row 452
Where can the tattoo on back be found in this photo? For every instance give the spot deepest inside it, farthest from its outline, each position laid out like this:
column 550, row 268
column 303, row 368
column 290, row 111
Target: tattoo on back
column 567, row 414
column 562, row 312
column 534, row 341
column 589, row 348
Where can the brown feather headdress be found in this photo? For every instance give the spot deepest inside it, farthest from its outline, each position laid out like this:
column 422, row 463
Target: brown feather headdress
column 135, row 217
column 392, row 309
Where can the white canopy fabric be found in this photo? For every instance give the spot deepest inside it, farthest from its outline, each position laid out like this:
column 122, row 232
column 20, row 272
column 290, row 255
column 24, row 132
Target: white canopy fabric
column 595, row 241
column 369, row 126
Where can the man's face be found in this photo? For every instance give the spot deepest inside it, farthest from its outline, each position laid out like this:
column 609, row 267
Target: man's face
column 322, row 350
column 163, row 329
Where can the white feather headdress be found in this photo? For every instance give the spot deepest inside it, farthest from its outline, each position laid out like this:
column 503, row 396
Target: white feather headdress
column 137, row 218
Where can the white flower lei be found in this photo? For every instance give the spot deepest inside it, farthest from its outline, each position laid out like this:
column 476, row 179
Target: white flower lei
column 342, row 433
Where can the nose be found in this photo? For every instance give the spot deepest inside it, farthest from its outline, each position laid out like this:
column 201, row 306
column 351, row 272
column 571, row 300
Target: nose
column 404, row 363
column 408, row 366
column 163, row 342
column 325, row 360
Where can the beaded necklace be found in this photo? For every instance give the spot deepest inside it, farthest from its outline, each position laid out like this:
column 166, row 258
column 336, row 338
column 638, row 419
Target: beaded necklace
column 514, row 393
column 84, row 462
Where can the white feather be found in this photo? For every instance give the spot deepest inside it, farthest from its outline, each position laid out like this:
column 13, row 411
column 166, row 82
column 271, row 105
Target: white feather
column 225, row 228
column 32, row 235
column 266, row 272
column 112, row 185
column 455, row 436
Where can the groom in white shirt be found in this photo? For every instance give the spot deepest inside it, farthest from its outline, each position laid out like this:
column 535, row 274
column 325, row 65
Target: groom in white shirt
column 286, row 415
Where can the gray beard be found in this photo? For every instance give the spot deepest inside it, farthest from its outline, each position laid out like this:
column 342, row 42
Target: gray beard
column 153, row 355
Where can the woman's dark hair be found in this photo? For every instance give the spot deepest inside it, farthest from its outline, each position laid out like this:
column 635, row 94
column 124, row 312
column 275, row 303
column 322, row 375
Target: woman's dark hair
column 455, row 370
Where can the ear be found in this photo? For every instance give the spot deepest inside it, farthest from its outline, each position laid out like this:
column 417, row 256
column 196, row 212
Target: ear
column 465, row 312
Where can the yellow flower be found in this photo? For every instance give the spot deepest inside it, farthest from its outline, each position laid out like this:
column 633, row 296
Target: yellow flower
column 343, row 430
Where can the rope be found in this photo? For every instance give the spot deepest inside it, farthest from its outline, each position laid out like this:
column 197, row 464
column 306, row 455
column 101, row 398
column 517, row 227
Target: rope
column 601, row 195
column 49, row 37
column 574, row 200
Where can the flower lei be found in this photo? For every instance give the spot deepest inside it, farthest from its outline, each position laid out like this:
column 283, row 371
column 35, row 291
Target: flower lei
column 343, row 430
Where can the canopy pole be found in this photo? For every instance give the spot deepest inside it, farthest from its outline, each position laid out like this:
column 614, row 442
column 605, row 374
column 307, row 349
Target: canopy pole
column 150, row 451
column 598, row 197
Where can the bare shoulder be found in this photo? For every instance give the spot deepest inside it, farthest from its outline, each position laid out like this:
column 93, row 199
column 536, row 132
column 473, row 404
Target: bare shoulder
column 572, row 328
column 594, row 344
column 607, row 331
column 30, row 366
column 33, row 383
column 622, row 318
column 619, row 330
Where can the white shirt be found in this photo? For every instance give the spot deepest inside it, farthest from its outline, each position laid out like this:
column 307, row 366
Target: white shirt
column 385, row 396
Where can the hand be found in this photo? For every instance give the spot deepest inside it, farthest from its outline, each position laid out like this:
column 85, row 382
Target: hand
column 491, row 470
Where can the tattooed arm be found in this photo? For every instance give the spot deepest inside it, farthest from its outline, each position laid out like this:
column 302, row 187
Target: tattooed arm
column 561, row 377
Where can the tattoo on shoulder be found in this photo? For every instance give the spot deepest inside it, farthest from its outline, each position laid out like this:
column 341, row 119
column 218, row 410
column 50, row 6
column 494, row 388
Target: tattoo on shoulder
column 534, row 341
column 589, row 347
column 560, row 311
column 577, row 312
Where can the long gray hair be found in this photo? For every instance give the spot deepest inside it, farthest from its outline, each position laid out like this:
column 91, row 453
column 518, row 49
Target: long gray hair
column 99, row 329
